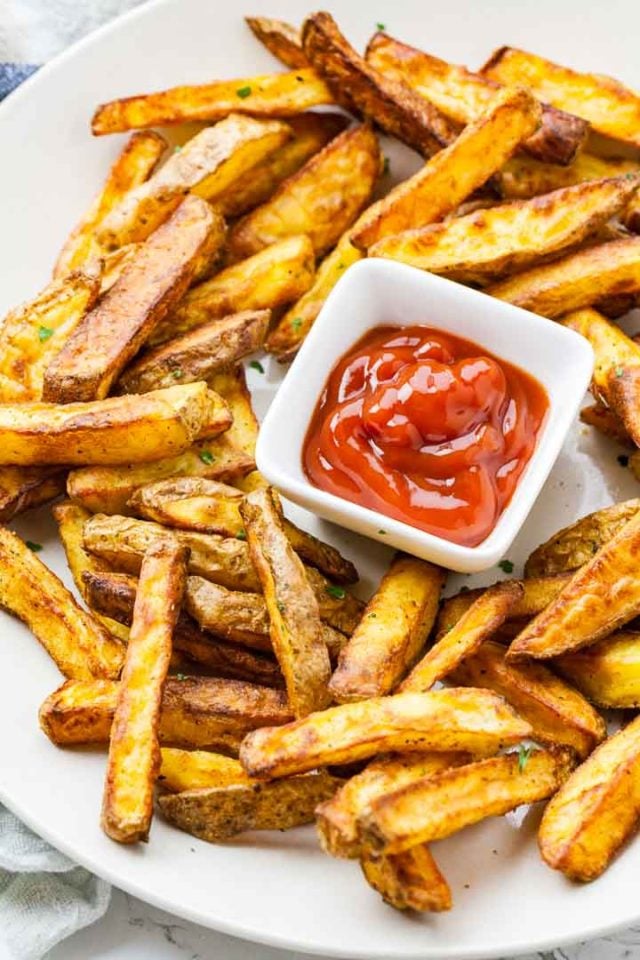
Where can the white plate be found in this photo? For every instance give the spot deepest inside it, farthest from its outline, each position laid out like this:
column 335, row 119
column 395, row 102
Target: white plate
column 278, row 888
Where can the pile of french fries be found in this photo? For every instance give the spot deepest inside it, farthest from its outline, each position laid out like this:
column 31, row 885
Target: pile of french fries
column 219, row 652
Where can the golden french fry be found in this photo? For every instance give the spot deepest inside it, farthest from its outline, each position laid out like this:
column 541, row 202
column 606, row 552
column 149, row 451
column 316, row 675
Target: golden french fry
column 522, row 177
column 408, row 881
column 198, row 769
column 281, row 39
column 607, row 673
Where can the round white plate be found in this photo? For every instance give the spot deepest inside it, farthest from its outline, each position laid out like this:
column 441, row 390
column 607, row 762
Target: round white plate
column 279, row 888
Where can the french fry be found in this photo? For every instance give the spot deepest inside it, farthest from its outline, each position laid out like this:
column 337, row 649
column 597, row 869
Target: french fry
column 393, row 630
column 207, row 165
column 22, row 488
column 489, row 244
column 441, row 720
column 596, row 810
column 409, row 880
column 117, row 430
column 462, row 96
column 281, row 39
column 616, row 377
column 577, row 544
column 358, row 87
column 321, row 200
column 198, row 769
column 606, row 422
column 197, row 712
column 479, row 623
column 607, row 673
column 606, row 104
column 602, row 595
column 296, row 631
column 79, row 646
column 522, row 177
column 134, row 746
column 217, row 814
column 155, row 279
column 577, row 280
column 558, row 714
column 197, row 355
column 133, row 166
column 272, row 278
column 438, row 806
column 454, row 173
column 232, row 384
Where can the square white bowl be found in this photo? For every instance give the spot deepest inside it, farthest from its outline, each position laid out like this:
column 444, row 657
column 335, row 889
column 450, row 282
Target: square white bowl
column 377, row 292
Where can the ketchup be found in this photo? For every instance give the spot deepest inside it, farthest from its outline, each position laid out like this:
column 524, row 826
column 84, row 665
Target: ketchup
column 427, row 428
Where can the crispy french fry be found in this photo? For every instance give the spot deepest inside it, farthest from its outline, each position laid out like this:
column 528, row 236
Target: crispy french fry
column 440, row 805
column 441, row 720
column 117, row 430
column 393, row 630
column 133, row 166
column 606, row 422
column 155, row 279
column 268, row 95
column 486, row 615
column 321, row 200
column 596, row 810
column 197, row 712
column 522, row 177
column 22, row 488
column 272, row 278
column 80, row 647
column 462, row 96
column 134, row 744
column 488, row 244
column 395, row 107
column 558, row 714
column 606, row 104
column 198, row 769
column 607, row 673
column 601, row 596
column 207, row 165
column 108, row 489
column 577, row 280
column 616, row 377
column 197, row 355
column 578, row 543
column 232, row 384
column 454, row 173
column 295, row 628
column 409, row 880
column 217, row 814
column 281, row 39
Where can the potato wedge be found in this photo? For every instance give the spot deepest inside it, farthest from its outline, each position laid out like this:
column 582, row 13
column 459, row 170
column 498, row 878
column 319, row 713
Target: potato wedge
column 602, row 595
column 198, row 769
column 596, row 810
column 409, row 880
column 134, row 165
column 197, row 355
column 440, row 805
column 441, row 720
column 393, row 630
column 22, row 488
column 337, row 819
column 462, row 96
column 134, row 745
column 606, row 104
column 207, row 165
column 80, row 647
column 578, row 543
column 607, row 673
column 157, row 276
column 489, row 244
column 616, row 377
column 217, row 814
column 357, row 86
column 558, row 714
column 281, row 39
column 268, row 95
column 454, row 173
column 270, row 279
column 607, row 423
column 485, row 615
column 197, row 712
column 522, row 177
column 578, row 280
column 295, row 628
column 321, row 200
column 108, row 489
column 117, row 430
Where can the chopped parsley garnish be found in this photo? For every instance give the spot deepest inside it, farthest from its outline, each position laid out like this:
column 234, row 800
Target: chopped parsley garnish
column 44, row 333
column 373, row 616
column 34, row 547
column 382, row 533
column 241, row 535
column 177, row 374
column 256, row 365
column 386, row 167
column 207, row 457
column 337, row 592
column 623, row 460
column 243, row 92
column 506, row 566
column 281, row 607
column 181, row 676
column 619, row 371
column 177, row 149
column 523, row 757
column 381, row 26
column 296, row 323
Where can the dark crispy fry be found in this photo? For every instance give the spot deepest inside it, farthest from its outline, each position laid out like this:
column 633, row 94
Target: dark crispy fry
column 281, row 39
column 22, row 488
column 409, row 880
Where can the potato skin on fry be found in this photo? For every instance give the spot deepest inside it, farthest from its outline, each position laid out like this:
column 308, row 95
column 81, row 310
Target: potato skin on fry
column 22, row 488
column 281, row 39
column 522, row 177
column 409, row 880
column 596, row 810
column 607, row 423
column 441, row 720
